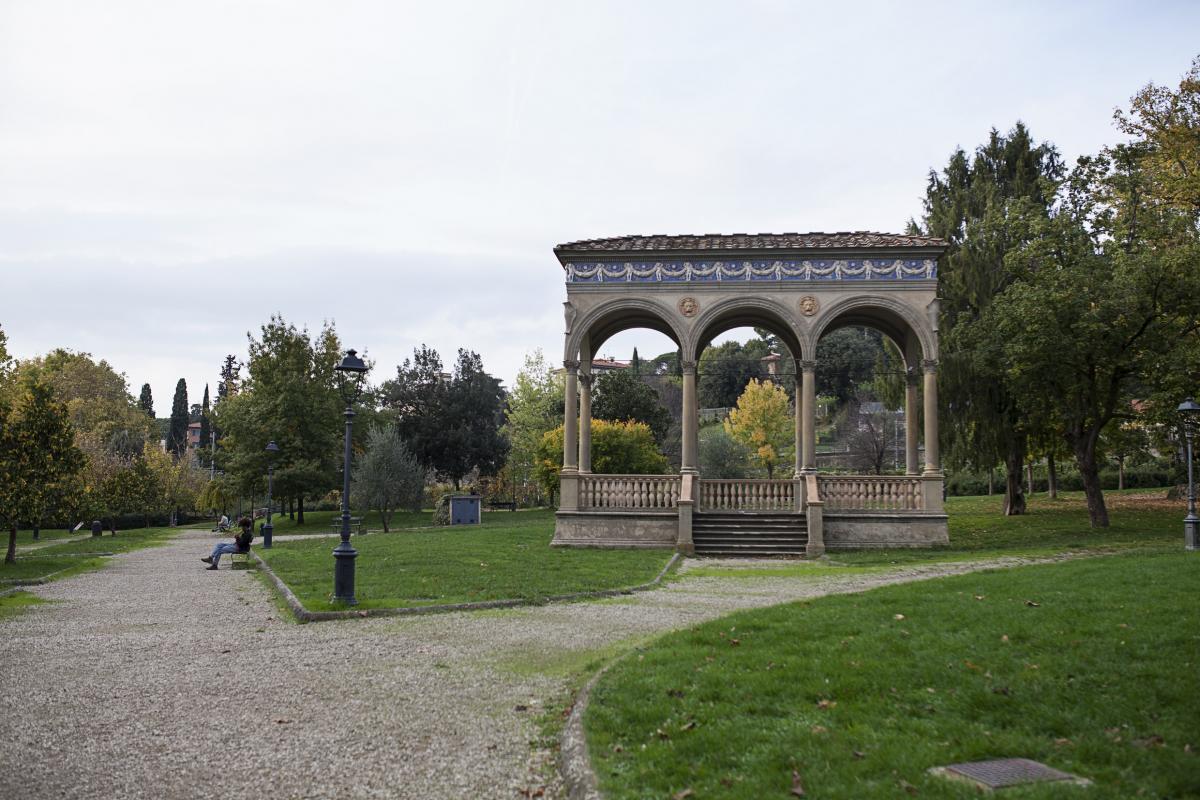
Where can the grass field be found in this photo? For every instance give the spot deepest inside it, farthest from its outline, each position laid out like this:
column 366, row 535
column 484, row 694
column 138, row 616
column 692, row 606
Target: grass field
column 70, row 558
column 1090, row 666
column 508, row 557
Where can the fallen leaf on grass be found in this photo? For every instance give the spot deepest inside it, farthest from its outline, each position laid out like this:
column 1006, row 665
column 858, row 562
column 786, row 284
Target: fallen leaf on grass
column 819, row 729
column 971, row 665
column 1004, row 638
column 734, row 642
column 683, row 795
column 979, row 596
column 1032, row 604
column 662, row 734
column 1153, row 740
column 797, row 785
column 687, row 726
column 859, row 754
column 908, row 787
column 1063, row 742
column 898, row 616
column 826, row 704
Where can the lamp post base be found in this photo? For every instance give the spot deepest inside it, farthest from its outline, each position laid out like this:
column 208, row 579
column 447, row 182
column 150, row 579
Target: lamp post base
column 267, row 530
column 1191, row 532
column 343, row 574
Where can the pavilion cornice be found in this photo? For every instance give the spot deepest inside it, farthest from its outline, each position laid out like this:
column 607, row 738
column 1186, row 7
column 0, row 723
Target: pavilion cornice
column 734, row 258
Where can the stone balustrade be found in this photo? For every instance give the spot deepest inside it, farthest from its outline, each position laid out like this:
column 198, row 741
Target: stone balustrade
column 872, row 492
column 739, row 494
column 598, row 492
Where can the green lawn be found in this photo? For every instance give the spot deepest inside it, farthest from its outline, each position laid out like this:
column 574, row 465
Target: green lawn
column 1139, row 518
column 78, row 556
column 508, row 557
column 1090, row 666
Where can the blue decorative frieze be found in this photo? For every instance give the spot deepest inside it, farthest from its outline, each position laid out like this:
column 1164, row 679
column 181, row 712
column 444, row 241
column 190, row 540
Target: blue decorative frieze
column 775, row 270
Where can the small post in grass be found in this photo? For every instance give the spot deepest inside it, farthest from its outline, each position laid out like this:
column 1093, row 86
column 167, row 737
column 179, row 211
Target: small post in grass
column 351, row 373
column 1189, row 411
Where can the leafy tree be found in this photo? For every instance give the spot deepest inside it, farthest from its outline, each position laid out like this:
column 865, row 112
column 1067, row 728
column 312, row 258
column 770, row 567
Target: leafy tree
column 721, row 456
column 871, row 436
column 726, row 369
column 969, row 205
column 387, row 476
column 1110, row 291
column 1166, row 123
column 534, row 406
column 452, row 425
column 177, row 434
column 146, row 401
column 178, row 482
column 618, row 448
column 762, row 422
column 621, row 395
column 475, row 413
column 131, row 488
column 39, row 459
column 847, row 358
column 670, row 363
column 290, row 396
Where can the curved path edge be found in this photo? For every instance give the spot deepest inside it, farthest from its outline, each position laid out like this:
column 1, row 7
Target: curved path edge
column 302, row 614
column 574, row 763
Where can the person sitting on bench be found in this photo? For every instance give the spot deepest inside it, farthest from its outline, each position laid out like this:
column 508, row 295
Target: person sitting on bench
column 239, row 545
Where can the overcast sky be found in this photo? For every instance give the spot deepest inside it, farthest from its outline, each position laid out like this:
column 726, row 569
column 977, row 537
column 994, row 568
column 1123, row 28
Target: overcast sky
column 173, row 173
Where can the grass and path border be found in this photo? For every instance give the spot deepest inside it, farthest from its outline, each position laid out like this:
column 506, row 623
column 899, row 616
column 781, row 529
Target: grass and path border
column 302, row 614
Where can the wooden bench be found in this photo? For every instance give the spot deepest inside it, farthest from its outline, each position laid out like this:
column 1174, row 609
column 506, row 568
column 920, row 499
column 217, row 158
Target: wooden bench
column 356, row 526
column 242, row 558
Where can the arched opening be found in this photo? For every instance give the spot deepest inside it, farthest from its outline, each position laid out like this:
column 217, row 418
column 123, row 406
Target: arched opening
column 867, row 410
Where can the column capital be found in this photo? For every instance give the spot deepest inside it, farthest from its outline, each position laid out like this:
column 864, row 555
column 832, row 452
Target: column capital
column 688, row 367
column 806, row 364
column 912, row 376
column 571, row 367
column 929, row 365
column 585, row 380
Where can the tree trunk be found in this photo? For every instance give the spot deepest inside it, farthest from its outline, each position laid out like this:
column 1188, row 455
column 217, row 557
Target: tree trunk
column 384, row 517
column 11, row 556
column 112, row 524
column 1051, row 477
column 300, row 510
column 1121, row 473
column 36, row 532
column 1014, row 497
column 1029, row 478
column 991, row 482
column 292, row 508
column 1085, row 459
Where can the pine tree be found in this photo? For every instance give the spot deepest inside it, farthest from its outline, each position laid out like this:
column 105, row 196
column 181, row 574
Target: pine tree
column 177, row 433
column 969, row 205
column 146, row 401
column 635, row 363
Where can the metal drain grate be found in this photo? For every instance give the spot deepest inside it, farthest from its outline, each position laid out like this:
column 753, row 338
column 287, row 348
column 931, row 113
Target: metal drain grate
column 1001, row 772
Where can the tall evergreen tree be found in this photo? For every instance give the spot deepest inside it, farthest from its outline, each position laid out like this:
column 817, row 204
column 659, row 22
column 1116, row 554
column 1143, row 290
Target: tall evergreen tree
column 969, row 205
column 146, row 401
column 205, row 420
column 177, row 432
column 231, row 372
column 635, row 363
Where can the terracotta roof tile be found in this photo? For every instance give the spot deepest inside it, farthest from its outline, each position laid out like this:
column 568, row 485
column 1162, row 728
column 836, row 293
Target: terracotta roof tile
column 745, row 241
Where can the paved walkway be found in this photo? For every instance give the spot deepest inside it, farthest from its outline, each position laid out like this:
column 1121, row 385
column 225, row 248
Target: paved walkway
column 157, row 678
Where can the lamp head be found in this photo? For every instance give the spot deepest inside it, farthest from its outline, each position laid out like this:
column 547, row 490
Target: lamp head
column 351, row 373
column 272, row 448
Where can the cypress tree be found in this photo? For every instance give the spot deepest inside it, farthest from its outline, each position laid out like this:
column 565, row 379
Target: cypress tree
column 177, row 433
column 146, row 401
column 205, row 425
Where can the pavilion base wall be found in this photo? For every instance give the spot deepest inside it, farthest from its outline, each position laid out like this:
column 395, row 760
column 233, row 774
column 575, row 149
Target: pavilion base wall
column 862, row 530
column 616, row 529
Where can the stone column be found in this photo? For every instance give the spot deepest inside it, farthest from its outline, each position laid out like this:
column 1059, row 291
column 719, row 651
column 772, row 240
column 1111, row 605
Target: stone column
column 799, row 434
column 932, row 460
column 585, row 422
column 808, row 433
column 690, row 419
column 570, row 418
column 910, row 422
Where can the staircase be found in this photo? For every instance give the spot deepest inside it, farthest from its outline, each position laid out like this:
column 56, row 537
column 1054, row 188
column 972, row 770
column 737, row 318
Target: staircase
column 749, row 534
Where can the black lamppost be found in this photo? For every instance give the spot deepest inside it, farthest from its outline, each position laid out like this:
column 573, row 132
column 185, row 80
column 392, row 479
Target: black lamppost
column 350, row 372
column 268, row 529
column 1189, row 410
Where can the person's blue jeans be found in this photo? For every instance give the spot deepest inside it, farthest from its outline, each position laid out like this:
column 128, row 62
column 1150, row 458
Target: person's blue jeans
column 221, row 549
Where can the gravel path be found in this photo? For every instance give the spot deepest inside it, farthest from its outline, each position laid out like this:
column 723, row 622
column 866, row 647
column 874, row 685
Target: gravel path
column 157, row 678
